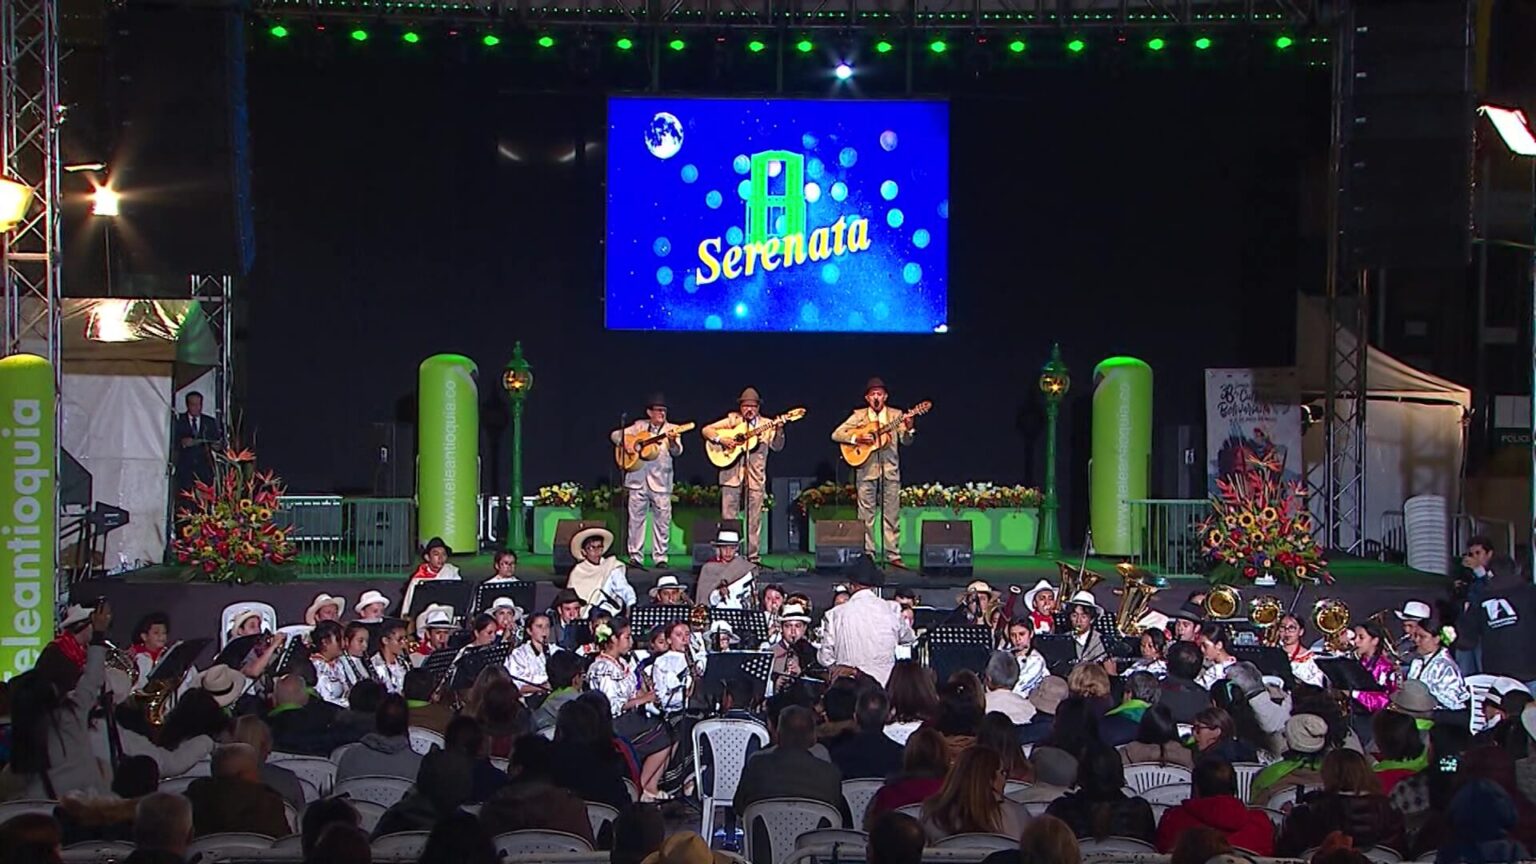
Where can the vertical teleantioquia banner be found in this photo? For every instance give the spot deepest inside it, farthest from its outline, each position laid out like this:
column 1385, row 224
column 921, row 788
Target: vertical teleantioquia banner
column 448, row 448
column 28, row 523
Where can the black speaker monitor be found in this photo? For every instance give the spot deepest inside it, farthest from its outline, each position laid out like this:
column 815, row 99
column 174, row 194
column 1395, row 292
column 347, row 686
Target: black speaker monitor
column 701, row 542
column 565, row 529
column 838, row 543
column 948, row 548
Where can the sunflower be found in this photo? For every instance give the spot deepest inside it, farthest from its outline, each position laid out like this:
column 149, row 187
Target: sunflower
column 1231, row 521
column 1215, row 537
column 1301, row 571
column 1246, row 520
column 1268, row 514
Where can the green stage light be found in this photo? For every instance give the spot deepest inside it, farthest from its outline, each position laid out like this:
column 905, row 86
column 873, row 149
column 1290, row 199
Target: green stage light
column 1283, row 41
column 938, row 46
column 546, row 42
column 1156, row 43
column 359, row 35
column 278, row 31
column 410, row 37
column 1076, row 46
column 677, row 44
column 624, row 43
column 804, row 46
column 756, row 46
column 1017, row 46
column 884, row 47
column 1203, row 43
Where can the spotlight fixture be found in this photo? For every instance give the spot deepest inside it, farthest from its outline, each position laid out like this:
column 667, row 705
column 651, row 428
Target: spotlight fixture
column 1513, row 127
column 884, row 47
column 410, row 37
column 1077, row 46
column 1203, row 43
column 624, row 43
column 804, row 46
column 105, row 202
column 756, row 46
column 1017, row 46
column 843, row 71
column 1283, row 41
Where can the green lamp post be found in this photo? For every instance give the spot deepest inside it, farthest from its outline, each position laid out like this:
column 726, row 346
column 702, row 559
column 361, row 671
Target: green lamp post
column 517, row 380
column 1054, row 383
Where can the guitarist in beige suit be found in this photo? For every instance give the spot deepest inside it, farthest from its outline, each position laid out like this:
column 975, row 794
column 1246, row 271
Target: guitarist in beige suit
column 649, row 483
column 882, row 468
column 749, row 473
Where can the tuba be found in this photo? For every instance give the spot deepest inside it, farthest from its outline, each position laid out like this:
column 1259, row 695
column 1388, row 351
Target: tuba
column 1075, row 579
column 1135, row 596
column 1331, row 616
column 156, row 698
column 1265, row 614
column 1222, row 603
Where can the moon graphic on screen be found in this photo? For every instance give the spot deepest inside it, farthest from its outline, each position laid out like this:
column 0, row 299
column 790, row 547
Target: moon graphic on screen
column 664, row 137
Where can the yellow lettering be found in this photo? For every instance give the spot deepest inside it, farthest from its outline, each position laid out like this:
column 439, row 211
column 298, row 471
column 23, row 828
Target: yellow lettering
column 732, row 263
column 754, row 251
column 794, row 249
column 837, row 235
column 706, row 248
column 819, row 245
column 770, row 254
column 858, row 235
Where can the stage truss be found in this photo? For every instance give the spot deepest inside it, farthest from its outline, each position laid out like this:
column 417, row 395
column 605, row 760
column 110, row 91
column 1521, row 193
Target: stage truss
column 216, row 295
column 29, row 150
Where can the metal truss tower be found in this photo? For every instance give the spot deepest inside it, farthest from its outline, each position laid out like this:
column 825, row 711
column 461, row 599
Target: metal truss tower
column 215, row 294
column 29, row 152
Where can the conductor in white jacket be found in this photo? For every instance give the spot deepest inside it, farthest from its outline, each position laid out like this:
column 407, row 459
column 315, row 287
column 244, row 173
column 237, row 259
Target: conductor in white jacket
column 863, row 633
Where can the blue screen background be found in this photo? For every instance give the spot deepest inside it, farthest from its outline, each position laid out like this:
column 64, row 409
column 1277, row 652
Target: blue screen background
column 886, row 161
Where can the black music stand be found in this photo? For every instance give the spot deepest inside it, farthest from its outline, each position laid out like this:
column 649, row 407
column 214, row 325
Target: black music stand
column 644, row 619
column 1346, row 673
column 447, row 592
column 485, row 592
column 178, row 660
column 956, row 647
column 725, row 666
column 745, row 623
column 476, row 659
column 1270, row 660
column 1059, row 652
column 234, row 653
column 439, row 664
column 295, row 650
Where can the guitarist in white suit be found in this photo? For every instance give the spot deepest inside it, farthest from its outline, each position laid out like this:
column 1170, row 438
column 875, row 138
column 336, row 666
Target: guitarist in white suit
column 884, row 465
column 750, row 470
column 650, row 483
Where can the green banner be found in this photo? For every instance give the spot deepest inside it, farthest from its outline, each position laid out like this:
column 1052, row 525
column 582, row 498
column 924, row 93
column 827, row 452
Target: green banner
column 448, row 448
column 28, row 520
column 1122, row 452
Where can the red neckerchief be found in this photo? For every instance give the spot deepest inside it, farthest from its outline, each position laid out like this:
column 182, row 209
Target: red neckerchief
column 71, row 649
column 152, row 653
column 1042, row 623
column 425, row 571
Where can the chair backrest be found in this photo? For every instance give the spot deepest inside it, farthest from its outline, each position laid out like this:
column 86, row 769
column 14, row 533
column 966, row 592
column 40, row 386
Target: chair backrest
column 200, row 768
column 1033, row 808
column 782, row 821
column 527, row 842
column 320, row 771
column 989, row 842
column 829, row 836
column 406, row 844
column 916, row 810
column 381, row 790
column 632, row 789
column 291, row 816
column 1013, row 787
column 177, row 785
column 222, row 846
column 1383, row 854
column 500, row 764
column 547, row 733
column 1285, row 796
column 311, row 791
column 1115, row 844
column 1158, row 810
column 728, row 743
column 858, row 794
column 227, row 618
column 600, row 814
column 293, row 842
column 11, row 809
column 96, row 852
column 1245, row 772
column 423, row 740
column 1173, row 794
column 368, row 814
column 1276, row 817
column 339, row 752
column 1142, row 776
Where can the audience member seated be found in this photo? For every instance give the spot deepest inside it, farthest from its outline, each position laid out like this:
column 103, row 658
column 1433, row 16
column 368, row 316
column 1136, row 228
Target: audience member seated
column 1216, row 738
column 1181, row 694
column 1200, row 845
column 914, row 699
column 1048, row 839
column 1047, row 700
column 1089, row 682
column 866, row 752
column 1075, row 729
column 30, row 838
column 254, row 731
column 1055, row 772
column 1400, row 750
column 1351, row 801
column 686, row 847
column 341, row 844
column 187, row 737
column 418, row 691
column 962, row 704
column 997, row 734
column 924, row 762
column 895, row 838
column 971, row 800
column 234, row 798
column 1248, row 734
column 300, row 724
column 357, row 719
column 1307, row 737
column 1215, row 805
column 386, row 752
column 1479, row 763
column 1157, row 740
column 566, row 671
column 321, row 815
column 1425, row 797
column 637, row 834
column 162, row 829
column 589, row 765
column 1002, row 676
column 789, row 770
column 1483, row 819
column 838, row 703
column 459, row 839
column 538, row 797
column 84, row 819
column 1122, row 722
column 445, row 782
column 1099, row 806
column 502, row 717
column 1524, row 752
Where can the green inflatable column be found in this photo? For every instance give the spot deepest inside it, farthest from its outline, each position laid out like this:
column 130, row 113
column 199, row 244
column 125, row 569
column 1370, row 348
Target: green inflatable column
column 1122, row 451
column 28, row 518
column 448, row 448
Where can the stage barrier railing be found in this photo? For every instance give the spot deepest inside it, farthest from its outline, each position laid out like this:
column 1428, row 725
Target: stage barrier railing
column 341, row 536
column 1168, row 534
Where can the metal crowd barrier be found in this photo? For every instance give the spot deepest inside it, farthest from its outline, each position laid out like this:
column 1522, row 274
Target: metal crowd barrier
column 1168, row 534
column 350, row 536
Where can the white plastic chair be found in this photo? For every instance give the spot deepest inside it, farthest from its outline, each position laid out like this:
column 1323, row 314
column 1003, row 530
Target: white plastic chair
column 320, row 771
column 222, row 847
column 383, row 791
column 1158, row 810
column 368, row 814
column 1245, row 772
column 989, row 842
column 500, row 764
column 1033, row 808
column 96, row 852
column 599, row 814
column 533, row 842
column 339, row 752
column 1170, row 795
column 291, row 816
column 632, row 789
column 310, row 790
column 728, row 743
column 1013, row 787
column 200, row 768
column 916, row 810
column 11, row 809
column 406, row 844
column 783, row 820
column 858, row 794
column 1142, row 776
column 227, row 618
column 178, row 785
column 291, row 843
column 548, row 734
column 828, row 837
column 1276, row 817
column 1384, row 854
column 1285, row 796
column 1114, row 844
column 423, row 740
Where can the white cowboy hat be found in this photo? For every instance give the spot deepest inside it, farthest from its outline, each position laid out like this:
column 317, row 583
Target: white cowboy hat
column 1414, row 610
column 794, row 612
column 368, row 599
column 726, row 537
column 667, row 580
column 581, row 537
column 1029, row 596
column 1085, row 598
column 979, row 586
column 435, row 616
column 1154, row 620
column 839, row 588
column 74, row 616
column 504, row 603
column 223, row 683
column 723, row 626
column 322, row 600
column 243, row 616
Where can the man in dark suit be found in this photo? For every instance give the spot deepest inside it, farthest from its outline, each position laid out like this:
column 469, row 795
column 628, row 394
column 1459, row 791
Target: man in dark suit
column 195, row 435
column 867, row 752
column 1181, row 694
column 234, row 798
column 789, row 770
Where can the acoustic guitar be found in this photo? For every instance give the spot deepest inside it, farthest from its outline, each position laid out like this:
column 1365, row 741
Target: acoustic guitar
column 647, row 447
column 857, row 454
column 739, row 439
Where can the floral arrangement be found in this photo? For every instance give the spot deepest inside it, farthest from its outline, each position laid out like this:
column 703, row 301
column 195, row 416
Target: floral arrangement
column 971, row 496
column 226, row 530
column 826, row 495
column 559, row 495
column 600, row 498
column 1259, row 529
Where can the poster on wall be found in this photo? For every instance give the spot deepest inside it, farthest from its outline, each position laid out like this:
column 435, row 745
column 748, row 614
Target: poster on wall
column 1248, row 413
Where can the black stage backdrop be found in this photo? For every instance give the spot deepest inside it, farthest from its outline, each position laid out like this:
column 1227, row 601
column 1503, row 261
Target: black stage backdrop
column 1164, row 214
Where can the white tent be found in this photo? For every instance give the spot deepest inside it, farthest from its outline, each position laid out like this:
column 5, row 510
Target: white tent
column 1413, row 423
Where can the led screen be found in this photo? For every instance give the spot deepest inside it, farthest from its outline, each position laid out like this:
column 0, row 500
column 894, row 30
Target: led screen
column 777, row 215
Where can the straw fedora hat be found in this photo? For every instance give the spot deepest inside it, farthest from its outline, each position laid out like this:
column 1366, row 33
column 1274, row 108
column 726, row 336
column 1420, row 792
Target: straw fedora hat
column 585, row 534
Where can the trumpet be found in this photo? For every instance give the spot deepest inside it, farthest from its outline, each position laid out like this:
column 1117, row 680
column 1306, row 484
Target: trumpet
column 1135, row 596
column 1265, row 613
column 1222, row 603
column 1331, row 616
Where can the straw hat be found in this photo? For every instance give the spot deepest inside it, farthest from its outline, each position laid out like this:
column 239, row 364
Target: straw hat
column 666, row 580
column 1307, row 733
column 74, row 616
column 368, row 599
column 1414, row 699
column 794, row 612
column 585, row 534
column 435, row 617
column 1085, row 598
column 321, row 601
column 223, row 683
